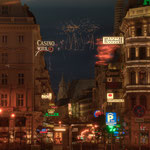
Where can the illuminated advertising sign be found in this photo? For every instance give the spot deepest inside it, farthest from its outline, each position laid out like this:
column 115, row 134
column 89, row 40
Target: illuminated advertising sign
column 98, row 113
column 115, row 100
column 49, row 115
column 46, row 46
column 110, row 96
column 69, row 109
column 111, row 119
column 47, row 96
column 113, row 40
column 146, row 2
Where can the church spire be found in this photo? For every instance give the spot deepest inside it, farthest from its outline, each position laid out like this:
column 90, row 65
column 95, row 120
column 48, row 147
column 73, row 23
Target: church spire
column 62, row 91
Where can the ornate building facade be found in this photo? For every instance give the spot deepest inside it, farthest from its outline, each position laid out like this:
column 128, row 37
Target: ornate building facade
column 136, row 29
column 23, row 78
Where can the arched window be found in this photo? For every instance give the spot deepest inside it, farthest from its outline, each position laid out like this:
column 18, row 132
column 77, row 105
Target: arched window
column 143, row 100
column 133, row 101
column 142, row 53
column 132, row 78
column 132, row 53
column 142, row 77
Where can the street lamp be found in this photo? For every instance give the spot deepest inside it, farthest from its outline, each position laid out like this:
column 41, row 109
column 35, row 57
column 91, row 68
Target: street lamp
column 13, row 116
column 1, row 110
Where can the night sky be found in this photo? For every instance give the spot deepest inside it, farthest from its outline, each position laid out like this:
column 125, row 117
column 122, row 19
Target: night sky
column 52, row 14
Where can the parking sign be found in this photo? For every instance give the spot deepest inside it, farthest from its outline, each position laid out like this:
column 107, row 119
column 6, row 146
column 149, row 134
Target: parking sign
column 111, row 119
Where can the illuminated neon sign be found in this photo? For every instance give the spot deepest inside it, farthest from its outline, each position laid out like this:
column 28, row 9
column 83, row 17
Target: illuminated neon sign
column 113, row 40
column 98, row 113
column 42, row 131
column 46, row 46
column 47, row 96
column 146, row 2
column 48, row 115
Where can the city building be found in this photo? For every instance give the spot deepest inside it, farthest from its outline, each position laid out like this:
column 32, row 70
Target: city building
column 119, row 14
column 23, row 77
column 136, row 29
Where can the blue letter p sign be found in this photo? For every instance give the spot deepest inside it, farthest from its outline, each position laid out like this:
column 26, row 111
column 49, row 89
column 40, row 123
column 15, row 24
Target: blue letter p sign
column 111, row 119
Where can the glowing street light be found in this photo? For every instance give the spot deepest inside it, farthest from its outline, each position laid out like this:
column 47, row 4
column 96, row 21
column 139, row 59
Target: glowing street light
column 1, row 110
column 12, row 115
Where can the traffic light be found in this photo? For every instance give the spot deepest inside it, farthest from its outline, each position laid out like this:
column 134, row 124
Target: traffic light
column 111, row 129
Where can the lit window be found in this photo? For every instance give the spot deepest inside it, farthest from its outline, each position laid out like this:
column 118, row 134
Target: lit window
column 20, row 79
column 4, row 39
column 3, row 101
column 4, row 79
column 4, row 58
column 143, row 101
column 19, row 100
column 21, row 38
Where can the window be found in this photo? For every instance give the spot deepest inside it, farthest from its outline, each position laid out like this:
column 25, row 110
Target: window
column 143, row 101
column 4, row 79
column 4, row 122
column 142, row 53
column 132, row 53
column 4, row 58
column 20, row 121
column 142, row 77
column 133, row 78
column 139, row 31
column 20, row 79
column 3, row 100
column 133, row 101
column 4, row 10
column 4, row 39
column 21, row 38
column 19, row 100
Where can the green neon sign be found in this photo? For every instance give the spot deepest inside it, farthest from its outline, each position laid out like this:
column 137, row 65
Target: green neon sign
column 49, row 115
column 146, row 2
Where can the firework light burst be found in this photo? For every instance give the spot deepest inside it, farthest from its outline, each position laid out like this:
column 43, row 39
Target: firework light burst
column 105, row 52
column 78, row 35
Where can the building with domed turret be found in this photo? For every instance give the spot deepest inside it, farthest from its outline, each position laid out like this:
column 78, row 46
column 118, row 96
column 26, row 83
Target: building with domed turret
column 136, row 29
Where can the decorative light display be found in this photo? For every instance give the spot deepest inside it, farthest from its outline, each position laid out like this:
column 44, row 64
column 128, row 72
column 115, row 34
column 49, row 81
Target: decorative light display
column 105, row 52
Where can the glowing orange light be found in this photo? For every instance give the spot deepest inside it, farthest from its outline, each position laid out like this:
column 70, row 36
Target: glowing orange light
column 105, row 52
column 13, row 115
column 1, row 110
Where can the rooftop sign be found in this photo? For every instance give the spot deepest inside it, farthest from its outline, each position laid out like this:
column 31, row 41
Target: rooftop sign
column 146, row 2
column 113, row 40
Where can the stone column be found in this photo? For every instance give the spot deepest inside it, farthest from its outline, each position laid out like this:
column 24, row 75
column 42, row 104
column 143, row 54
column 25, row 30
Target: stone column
column 145, row 30
column 133, row 31
column 128, row 53
column 137, row 52
column 148, row 73
column 137, row 77
column 148, row 51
